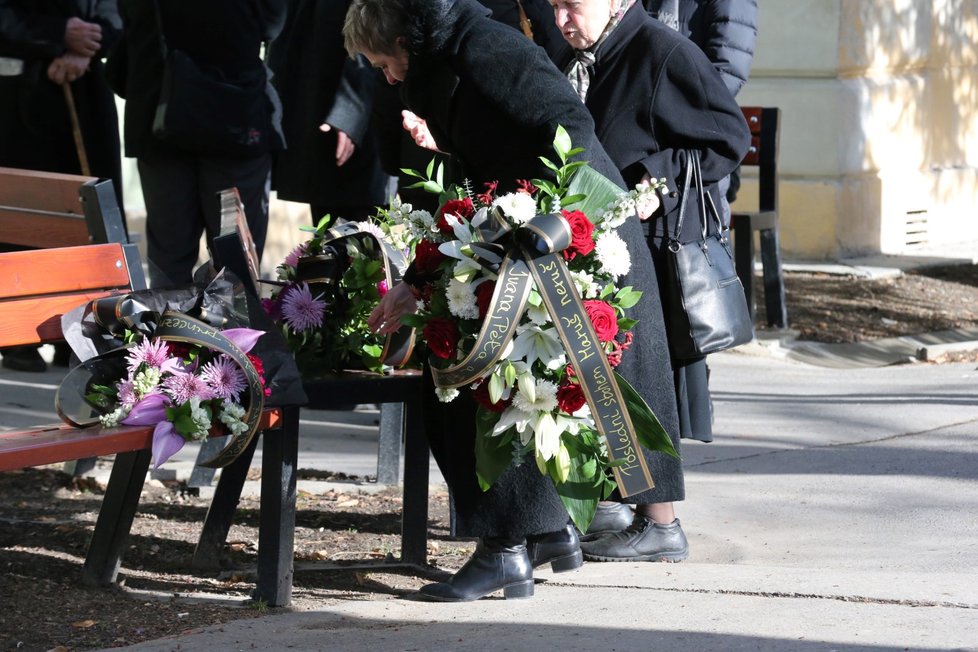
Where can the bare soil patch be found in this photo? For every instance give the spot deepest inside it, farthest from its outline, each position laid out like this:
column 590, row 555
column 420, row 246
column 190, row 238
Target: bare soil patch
column 46, row 517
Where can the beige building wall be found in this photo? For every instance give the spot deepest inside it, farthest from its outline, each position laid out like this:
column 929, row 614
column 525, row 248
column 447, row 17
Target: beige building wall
column 879, row 131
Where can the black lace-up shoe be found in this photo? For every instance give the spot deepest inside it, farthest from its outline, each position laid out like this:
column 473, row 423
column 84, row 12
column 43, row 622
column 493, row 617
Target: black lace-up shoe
column 643, row 540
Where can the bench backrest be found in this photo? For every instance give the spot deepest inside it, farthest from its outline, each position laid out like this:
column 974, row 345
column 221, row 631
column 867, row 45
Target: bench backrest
column 50, row 209
column 763, row 152
column 37, row 287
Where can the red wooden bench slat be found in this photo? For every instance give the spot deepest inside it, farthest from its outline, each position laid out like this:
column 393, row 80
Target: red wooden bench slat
column 47, row 191
column 62, row 270
column 61, row 442
column 26, row 229
column 37, row 320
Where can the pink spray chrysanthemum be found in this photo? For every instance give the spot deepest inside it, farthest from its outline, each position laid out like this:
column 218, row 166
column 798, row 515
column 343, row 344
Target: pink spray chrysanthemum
column 293, row 258
column 127, row 393
column 301, row 310
column 183, row 387
column 151, row 352
column 224, row 378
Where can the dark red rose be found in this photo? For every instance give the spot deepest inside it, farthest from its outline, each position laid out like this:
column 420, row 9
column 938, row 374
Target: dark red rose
column 604, row 319
column 481, row 396
column 582, row 238
column 570, row 398
column 462, row 208
column 483, row 296
column 427, row 258
column 441, row 334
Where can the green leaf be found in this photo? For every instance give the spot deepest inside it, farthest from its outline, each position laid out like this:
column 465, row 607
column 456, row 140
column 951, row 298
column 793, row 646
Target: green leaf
column 626, row 323
column 413, row 320
column 627, row 297
column 579, row 493
column 597, row 188
column 562, row 142
column 493, row 454
column 431, row 168
column 432, row 186
column 650, row 432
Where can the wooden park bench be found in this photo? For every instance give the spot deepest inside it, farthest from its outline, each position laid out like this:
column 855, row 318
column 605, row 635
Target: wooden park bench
column 763, row 154
column 34, row 294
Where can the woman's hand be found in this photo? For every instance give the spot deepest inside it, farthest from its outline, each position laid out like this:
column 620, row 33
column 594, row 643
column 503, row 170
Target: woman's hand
column 82, row 37
column 649, row 202
column 386, row 317
column 418, row 129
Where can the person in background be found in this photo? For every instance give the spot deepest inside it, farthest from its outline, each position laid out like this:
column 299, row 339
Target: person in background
column 624, row 58
column 180, row 187
column 726, row 31
column 532, row 17
column 492, row 101
column 331, row 161
column 49, row 49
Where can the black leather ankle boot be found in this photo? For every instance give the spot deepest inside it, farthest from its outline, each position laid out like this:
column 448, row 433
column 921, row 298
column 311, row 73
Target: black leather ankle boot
column 496, row 564
column 561, row 549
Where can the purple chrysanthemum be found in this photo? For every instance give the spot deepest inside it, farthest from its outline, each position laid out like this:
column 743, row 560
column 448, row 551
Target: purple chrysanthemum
column 151, row 352
column 126, row 393
column 224, row 378
column 301, row 310
column 183, row 387
column 293, row 258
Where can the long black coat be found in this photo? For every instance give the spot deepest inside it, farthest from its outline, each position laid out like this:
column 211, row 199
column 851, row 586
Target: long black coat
column 318, row 83
column 226, row 35
column 493, row 100
column 35, row 122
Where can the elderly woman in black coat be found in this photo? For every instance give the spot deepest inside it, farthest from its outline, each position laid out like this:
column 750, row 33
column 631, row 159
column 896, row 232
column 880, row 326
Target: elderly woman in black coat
column 654, row 96
column 492, row 100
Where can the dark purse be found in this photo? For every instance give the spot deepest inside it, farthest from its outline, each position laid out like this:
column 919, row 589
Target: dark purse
column 201, row 111
column 706, row 311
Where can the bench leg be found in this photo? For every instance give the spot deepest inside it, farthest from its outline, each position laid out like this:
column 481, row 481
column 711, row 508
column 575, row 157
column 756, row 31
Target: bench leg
column 414, row 518
column 220, row 514
column 276, row 532
column 389, row 444
column 203, row 476
column 744, row 259
column 774, row 295
column 115, row 518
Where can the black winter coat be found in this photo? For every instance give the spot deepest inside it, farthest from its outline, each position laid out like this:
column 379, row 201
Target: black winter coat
column 494, row 100
column 318, row 83
column 34, row 121
column 654, row 94
column 226, row 35
column 725, row 30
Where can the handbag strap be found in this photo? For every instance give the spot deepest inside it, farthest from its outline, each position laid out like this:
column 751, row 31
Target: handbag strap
column 706, row 199
column 687, row 178
column 159, row 24
column 693, row 179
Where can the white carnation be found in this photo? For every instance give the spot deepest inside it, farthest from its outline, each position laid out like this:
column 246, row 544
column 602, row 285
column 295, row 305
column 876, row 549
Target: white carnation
column 612, row 253
column 546, row 398
column 518, row 206
column 461, row 300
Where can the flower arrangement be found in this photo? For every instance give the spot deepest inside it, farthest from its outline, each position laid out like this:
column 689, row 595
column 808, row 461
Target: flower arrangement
column 184, row 387
column 530, row 400
column 328, row 286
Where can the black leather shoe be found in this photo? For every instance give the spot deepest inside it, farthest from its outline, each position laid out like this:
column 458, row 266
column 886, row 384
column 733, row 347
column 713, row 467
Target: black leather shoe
column 560, row 549
column 24, row 358
column 643, row 540
column 497, row 564
column 610, row 517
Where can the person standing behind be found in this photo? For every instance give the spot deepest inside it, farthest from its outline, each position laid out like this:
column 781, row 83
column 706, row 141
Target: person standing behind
column 180, row 186
column 653, row 96
column 331, row 161
column 726, row 31
column 51, row 48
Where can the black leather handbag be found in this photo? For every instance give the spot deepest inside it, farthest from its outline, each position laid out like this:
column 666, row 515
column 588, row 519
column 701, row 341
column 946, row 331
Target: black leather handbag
column 202, row 112
column 706, row 309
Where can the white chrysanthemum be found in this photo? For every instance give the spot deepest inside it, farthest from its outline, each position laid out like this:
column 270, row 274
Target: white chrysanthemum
column 612, row 253
column 517, row 206
column 461, row 300
column 585, row 285
column 544, row 401
column 446, row 395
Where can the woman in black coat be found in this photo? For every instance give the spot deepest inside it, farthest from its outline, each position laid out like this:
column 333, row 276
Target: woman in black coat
column 493, row 101
column 654, row 95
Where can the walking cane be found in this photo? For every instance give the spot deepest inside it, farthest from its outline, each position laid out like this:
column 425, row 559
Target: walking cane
column 76, row 130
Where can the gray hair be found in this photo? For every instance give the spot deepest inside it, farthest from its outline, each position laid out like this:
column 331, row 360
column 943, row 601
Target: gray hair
column 374, row 26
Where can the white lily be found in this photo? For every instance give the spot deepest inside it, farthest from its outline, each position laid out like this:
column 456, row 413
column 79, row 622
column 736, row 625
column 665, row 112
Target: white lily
column 546, row 435
column 534, row 343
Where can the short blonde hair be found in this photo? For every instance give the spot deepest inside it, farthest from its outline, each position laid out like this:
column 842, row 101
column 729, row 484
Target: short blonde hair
column 374, row 26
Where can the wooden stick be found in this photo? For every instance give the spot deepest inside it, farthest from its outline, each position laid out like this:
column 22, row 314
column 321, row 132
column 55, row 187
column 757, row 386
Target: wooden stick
column 76, row 130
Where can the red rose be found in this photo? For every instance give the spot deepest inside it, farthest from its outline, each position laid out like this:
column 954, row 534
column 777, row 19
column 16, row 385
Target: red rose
column 604, row 319
column 481, row 396
column 427, row 258
column 570, row 398
column 582, row 240
column 461, row 208
column 483, row 296
column 441, row 334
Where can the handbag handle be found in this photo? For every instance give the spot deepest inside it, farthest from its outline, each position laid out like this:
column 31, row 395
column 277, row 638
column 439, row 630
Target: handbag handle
column 694, row 176
column 159, row 25
column 688, row 175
